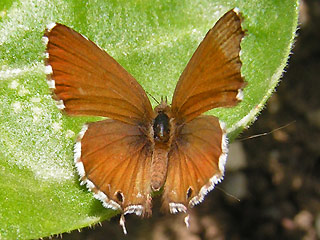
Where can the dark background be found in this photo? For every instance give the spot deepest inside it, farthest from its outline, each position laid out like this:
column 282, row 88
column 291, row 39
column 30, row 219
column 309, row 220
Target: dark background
column 278, row 180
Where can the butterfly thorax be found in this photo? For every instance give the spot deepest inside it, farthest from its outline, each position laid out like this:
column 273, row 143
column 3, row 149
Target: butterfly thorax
column 163, row 129
column 162, row 123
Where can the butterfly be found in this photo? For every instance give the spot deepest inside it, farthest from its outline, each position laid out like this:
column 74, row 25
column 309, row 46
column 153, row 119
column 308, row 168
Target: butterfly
column 137, row 151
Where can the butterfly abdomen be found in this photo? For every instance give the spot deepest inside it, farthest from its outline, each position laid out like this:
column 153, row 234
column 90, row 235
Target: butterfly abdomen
column 159, row 166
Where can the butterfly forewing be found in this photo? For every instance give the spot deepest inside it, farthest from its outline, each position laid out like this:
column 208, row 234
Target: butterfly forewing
column 196, row 162
column 116, row 158
column 90, row 82
column 212, row 78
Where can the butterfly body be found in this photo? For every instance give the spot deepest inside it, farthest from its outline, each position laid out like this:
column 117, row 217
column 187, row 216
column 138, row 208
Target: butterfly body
column 163, row 133
column 174, row 149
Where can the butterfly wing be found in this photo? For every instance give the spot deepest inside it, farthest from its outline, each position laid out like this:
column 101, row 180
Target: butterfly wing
column 113, row 158
column 212, row 77
column 196, row 163
column 87, row 81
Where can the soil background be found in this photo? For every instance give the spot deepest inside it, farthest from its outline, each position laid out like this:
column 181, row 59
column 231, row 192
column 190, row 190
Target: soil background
column 272, row 190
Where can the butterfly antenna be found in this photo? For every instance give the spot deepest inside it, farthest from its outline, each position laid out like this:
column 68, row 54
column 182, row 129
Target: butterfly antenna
column 266, row 133
column 153, row 97
column 228, row 194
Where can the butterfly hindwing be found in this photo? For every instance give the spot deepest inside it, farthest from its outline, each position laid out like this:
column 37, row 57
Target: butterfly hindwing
column 196, row 162
column 113, row 159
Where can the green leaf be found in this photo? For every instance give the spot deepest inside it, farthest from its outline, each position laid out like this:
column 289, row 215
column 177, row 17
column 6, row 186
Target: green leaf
column 39, row 190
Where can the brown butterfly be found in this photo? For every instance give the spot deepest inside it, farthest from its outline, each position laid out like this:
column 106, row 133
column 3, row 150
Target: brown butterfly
column 138, row 151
